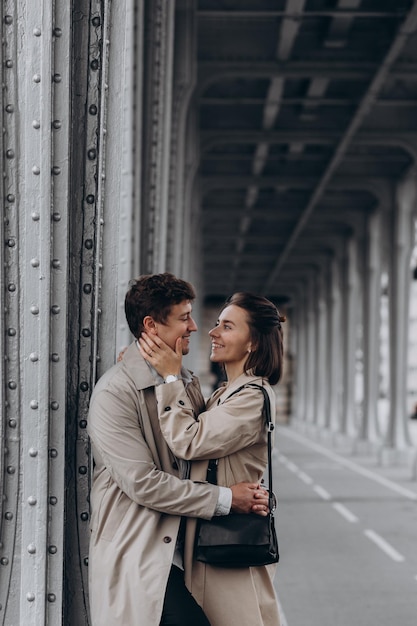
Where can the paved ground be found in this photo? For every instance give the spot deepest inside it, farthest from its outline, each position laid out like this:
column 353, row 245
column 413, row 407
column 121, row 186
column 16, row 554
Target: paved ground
column 348, row 537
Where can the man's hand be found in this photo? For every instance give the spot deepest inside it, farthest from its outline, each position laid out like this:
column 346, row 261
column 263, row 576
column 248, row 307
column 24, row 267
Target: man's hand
column 249, row 498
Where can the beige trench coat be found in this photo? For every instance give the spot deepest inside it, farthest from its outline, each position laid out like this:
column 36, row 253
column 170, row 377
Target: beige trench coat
column 136, row 497
column 232, row 430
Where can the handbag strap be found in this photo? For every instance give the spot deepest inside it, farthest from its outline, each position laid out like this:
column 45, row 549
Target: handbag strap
column 212, row 468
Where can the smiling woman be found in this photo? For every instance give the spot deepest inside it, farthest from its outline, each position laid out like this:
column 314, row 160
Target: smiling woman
column 247, row 341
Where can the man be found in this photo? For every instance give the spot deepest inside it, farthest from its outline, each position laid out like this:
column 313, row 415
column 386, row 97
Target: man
column 140, row 490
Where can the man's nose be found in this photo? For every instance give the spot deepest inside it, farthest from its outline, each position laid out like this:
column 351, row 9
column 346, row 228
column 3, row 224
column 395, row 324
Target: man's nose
column 192, row 326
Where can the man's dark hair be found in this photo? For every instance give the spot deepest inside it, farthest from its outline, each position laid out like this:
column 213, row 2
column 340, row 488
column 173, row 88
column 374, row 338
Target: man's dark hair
column 154, row 295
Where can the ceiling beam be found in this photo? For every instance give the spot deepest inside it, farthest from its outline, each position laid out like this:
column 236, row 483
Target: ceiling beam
column 211, row 14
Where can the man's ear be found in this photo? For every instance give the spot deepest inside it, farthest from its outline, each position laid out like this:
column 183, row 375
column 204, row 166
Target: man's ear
column 149, row 325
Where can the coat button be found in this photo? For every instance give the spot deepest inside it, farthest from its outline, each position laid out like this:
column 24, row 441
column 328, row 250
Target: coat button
column 167, row 539
column 167, row 408
column 181, row 402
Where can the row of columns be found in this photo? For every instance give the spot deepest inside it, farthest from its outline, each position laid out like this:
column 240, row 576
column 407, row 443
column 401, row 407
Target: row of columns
column 338, row 326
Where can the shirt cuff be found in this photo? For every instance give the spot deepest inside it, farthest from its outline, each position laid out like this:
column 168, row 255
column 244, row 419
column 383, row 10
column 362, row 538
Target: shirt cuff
column 224, row 503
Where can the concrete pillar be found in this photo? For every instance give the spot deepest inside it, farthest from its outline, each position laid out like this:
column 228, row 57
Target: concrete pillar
column 368, row 428
column 334, row 348
column 402, row 240
column 321, row 380
column 350, row 300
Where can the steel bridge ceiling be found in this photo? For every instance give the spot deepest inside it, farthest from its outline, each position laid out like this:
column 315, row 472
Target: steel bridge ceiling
column 307, row 109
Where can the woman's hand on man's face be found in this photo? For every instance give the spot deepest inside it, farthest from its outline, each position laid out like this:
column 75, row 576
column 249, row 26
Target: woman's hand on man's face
column 165, row 360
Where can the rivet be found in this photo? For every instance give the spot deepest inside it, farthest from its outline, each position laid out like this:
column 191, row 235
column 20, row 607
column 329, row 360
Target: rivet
column 32, row 500
column 10, row 154
column 12, row 423
column 56, row 264
column 96, row 21
column 36, row 124
column 8, row 516
column 9, row 63
column 11, row 243
column 35, row 262
column 12, row 384
column 9, row 108
column 8, row 19
column 87, row 288
column 53, row 500
column 89, row 244
column 34, row 404
column 57, row 78
column 84, row 517
column 56, row 217
column 33, row 452
column 37, row 32
column 11, row 332
column 56, row 124
column 36, row 170
column 93, row 109
column 82, row 469
column 86, row 332
column 57, row 32
column 53, row 453
column 92, row 153
column 34, row 357
column 51, row 597
column 85, row 561
column 30, row 597
column 37, row 78
column 52, row 549
column 83, row 424
column 84, row 386
column 4, row 560
column 101, row 221
column 55, row 357
column 35, row 216
column 55, row 309
column 11, row 287
column 11, row 198
column 56, row 170
column 54, row 405
column 11, row 470
column 34, row 310
column 32, row 548
column 94, row 64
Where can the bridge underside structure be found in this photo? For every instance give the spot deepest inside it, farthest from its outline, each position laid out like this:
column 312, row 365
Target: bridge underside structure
column 259, row 145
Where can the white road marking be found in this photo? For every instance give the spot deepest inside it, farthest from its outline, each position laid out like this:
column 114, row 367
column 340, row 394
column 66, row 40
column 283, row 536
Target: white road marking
column 322, row 492
column 412, row 495
column 292, row 466
column 305, row 478
column 345, row 512
column 384, row 545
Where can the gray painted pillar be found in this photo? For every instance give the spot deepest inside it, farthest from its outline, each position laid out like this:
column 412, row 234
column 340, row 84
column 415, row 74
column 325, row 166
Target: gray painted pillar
column 403, row 215
column 350, row 300
column 321, row 334
column 334, row 351
column 300, row 356
column 368, row 428
column 311, row 344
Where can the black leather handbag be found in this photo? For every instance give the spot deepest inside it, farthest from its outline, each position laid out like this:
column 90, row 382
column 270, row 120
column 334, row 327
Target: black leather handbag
column 239, row 540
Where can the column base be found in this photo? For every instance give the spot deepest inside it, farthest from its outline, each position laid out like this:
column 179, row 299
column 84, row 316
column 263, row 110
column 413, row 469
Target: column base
column 407, row 457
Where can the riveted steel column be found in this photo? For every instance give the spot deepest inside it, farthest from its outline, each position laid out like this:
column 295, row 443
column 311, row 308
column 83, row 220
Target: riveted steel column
column 311, row 343
column 44, row 78
column 10, row 423
column 321, row 329
column 397, row 437
column 350, row 298
column 333, row 386
column 368, row 428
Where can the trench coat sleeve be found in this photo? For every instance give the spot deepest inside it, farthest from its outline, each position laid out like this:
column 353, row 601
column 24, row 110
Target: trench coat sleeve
column 117, row 437
column 222, row 430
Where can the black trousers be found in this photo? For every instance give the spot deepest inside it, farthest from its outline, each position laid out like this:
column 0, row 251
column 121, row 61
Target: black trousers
column 180, row 608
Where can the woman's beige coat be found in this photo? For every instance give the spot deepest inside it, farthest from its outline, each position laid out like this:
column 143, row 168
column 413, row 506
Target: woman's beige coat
column 232, row 430
column 137, row 499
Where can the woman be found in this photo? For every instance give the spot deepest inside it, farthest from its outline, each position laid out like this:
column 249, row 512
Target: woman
column 247, row 340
